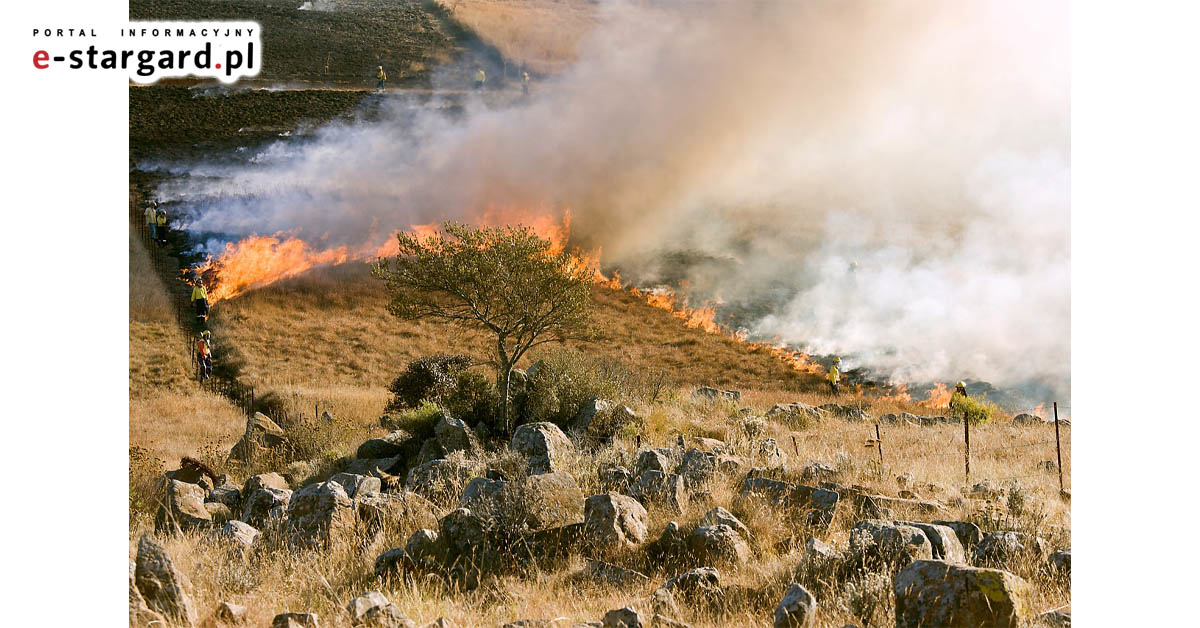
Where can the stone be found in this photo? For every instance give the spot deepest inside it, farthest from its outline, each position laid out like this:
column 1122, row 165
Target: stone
column 140, row 614
column 359, row 606
column 627, row 617
column 1054, row 619
column 218, row 513
column 614, row 478
column 483, row 495
column 816, row 505
column 182, row 508
column 797, row 609
column 297, row 473
column 720, row 516
column 662, row 602
column 551, row 547
column 772, row 455
column 396, row 443
column 1061, row 561
column 886, row 541
column 231, row 613
column 851, row 414
column 943, row 540
column 464, row 534
column 357, row 485
column 774, row 492
column 608, row 573
column 265, row 480
column 937, row 593
column 707, row 393
column 696, row 584
column 795, row 411
column 661, row 459
column 430, row 450
column 613, row 521
column 816, row 472
column 588, row 412
column 423, row 545
column 697, row 468
column 239, row 532
column 547, row 500
column 454, row 435
column 261, row 434
column 394, row 563
column 543, row 444
column 165, row 589
column 968, row 533
column 264, row 505
column 656, row 487
column 718, row 545
column 387, row 616
column 295, row 620
column 440, row 480
column 820, row 554
column 228, row 494
column 1000, row 547
column 194, row 472
column 405, row 508
column 670, row 547
column 1028, row 419
column 320, row 513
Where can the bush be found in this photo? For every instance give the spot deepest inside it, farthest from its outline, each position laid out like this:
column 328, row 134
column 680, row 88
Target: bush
column 565, row 379
column 473, row 400
column 979, row 411
column 417, row 421
column 432, row 377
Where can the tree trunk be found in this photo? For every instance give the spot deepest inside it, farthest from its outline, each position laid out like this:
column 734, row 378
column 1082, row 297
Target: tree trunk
column 505, row 386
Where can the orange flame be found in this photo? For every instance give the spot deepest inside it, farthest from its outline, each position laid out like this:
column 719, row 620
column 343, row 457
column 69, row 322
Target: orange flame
column 898, row 394
column 256, row 261
column 938, row 396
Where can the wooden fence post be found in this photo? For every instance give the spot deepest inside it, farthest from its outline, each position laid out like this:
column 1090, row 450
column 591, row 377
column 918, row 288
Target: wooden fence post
column 879, row 444
column 1058, row 448
column 795, row 446
column 967, row 440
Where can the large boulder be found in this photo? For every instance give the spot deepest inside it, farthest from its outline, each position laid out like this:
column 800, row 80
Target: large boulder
column 996, row 548
column 373, row 609
column 404, row 509
column 896, row 545
column 614, row 478
column 227, row 493
column 483, row 496
column 700, row 467
column 944, row 541
column 797, row 609
column 218, row 513
column 182, row 508
column 771, row 454
column 613, row 521
column 718, row 545
column 264, row 505
column 656, row 487
column 1060, row 561
column 937, row 593
column 816, row 505
column 852, row 414
column 720, row 516
column 590, row 411
column 396, row 443
column 707, row 393
column 295, row 620
column 441, row 480
column 454, row 435
column 320, row 513
column 796, row 412
column 165, row 589
column 543, row 444
column 1028, row 419
column 662, row 459
column 773, row 492
column 261, row 434
column 140, row 613
column 265, row 480
column 546, row 500
column 968, row 533
column 699, row 584
column 465, row 536
column 240, row 533
column 358, row 485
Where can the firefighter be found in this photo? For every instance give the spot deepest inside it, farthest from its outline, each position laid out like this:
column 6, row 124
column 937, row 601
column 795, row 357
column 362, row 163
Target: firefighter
column 200, row 300
column 160, row 221
column 960, row 394
column 480, row 78
column 381, row 76
column 204, row 354
column 525, row 83
column 835, row 377
column 150, row 216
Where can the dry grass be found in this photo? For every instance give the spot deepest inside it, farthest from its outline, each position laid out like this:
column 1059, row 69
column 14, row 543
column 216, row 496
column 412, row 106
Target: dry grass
column 543, row 35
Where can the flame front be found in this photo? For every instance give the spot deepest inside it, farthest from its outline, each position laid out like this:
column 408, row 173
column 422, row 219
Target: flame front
column 938, row 396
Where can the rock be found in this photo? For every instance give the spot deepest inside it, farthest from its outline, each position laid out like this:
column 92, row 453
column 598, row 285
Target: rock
column 543, row 444
column 405, row 509
column 194, row 472
column 774, row 492
column 797, row 609
column 464, row 534
column 547, row 500
column 888, row 542
column 771, row 454
column 359, row 606
column 661, row 459
column 608, row 573
column 218, row 513
column 718, row 545
column 1061, row 561
column 239, row 532
column 387, row 616
column 440, row 480
column 816, row 505
column 265, row 480
column 165, row 589
column 720, row 516
column 1054, row 619
column 422, row 546
column 1001, row 547
column 261, row 433
column 851, row 414
column 297, row 473
column 943, row 540
column 394, row 563
column 482, row 496
column 820, row 554
column 231, row 613
column 937, row 593
column 795, row 411
column 551, row 547
column 614, row 479
column 712, row 394
column 182, row 508
column 816, row 472
column 396, row 443
column 697, row 468
column 295, row 620
column 662, row 602
column 588, row 412
column 656, row 487
column 968, row 533
column 614, row 521
column 1028, row 419
column 227, row 493
column 264, row 505
column 357, row 485
column 627, row 617
column 670, row 547
column 140, row 614
column 701, row 583
column 454, row 435
column 430, row 450
column 320, row 513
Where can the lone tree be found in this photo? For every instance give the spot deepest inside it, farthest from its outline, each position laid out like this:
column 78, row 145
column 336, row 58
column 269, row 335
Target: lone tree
column 506, row 280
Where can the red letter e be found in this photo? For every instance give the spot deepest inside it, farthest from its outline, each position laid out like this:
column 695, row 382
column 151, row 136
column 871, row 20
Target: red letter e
column 40, row 58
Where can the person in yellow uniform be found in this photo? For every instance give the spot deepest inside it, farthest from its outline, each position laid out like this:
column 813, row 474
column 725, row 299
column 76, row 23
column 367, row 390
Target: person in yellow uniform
column 480, row 78
column 200, row 300
column 150, row 216
column 960, row 394
column 204, row 354
column 835, row 377
column 525, row 83
column 160, row 225
column 380, row 77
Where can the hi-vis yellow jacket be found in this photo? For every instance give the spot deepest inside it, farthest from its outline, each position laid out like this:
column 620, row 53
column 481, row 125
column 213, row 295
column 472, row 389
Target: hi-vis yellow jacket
column 381, row 76
column 480, row 76
column 162, row 219
column 833, row 375
column 149, row 215
column 198, row 292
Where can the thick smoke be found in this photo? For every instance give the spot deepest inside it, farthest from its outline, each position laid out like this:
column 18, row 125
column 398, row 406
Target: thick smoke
column 884, row 180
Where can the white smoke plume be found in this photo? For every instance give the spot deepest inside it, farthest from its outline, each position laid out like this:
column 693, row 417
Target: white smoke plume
column 884, row 180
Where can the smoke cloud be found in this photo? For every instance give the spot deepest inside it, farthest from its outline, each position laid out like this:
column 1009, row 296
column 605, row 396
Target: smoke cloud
column 884, row 180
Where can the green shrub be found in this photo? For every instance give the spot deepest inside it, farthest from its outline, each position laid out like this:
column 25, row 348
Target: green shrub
column 417, row 421
column 979, row 411
column 432, row 377
column 473, row 400
column 565, row 379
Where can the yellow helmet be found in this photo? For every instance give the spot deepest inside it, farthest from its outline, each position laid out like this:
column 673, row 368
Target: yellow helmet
column 206, row 333
column 837, row 359
column 962, row 384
